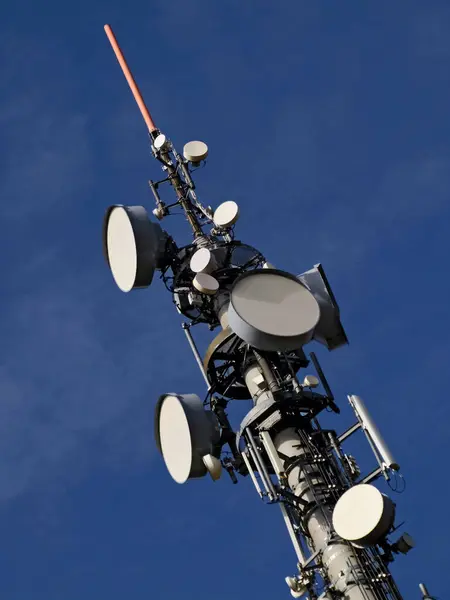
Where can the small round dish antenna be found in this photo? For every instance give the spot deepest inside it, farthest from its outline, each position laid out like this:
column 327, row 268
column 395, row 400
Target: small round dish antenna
column 195, row 151
column 206, row 284
column 271, row 311
column 310, row 381
column 213, row 466
column 160, row 142
column 202, row 261
column 363, row 515
column 226, row 214
column 185, row 434
column 132, row 246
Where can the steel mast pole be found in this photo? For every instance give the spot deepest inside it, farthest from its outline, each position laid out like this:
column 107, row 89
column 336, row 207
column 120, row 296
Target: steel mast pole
column 338, row 522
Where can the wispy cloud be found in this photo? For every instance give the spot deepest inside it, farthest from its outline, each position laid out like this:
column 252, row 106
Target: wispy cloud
column 45, row 158
column 430, row 32
column 70, row 398
column 413, row 190
column 408, row 193
column 47, row 162
column 65, row 390
column 68, row 385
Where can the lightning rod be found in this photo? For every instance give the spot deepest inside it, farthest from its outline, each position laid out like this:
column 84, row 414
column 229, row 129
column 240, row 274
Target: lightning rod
column 340, row 525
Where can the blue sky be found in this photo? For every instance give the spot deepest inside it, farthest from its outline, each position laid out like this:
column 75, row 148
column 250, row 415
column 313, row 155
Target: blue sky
column 328, row 123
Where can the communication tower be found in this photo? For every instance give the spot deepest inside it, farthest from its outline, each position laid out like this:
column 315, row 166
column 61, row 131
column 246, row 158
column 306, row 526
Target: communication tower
column 340, row 525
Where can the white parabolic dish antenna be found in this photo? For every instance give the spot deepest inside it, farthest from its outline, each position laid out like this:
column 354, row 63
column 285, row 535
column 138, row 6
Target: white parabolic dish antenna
column 184, row 434
column 206, row 284
column 160, row 141
column 202, row 261
column 195, row 151
column 131, row 243
column 363, row 515
column 226, row 214
column 272, row 310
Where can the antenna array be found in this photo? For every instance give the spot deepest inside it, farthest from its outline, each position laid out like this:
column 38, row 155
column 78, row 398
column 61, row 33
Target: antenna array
column 340, row 525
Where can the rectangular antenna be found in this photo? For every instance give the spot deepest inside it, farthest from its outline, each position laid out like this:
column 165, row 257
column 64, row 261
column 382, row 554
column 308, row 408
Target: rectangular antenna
column 372, row 430
column 131, row 82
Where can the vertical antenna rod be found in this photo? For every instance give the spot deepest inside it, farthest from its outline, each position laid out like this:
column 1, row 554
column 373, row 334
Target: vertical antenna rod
column 131, row 82
column 174, row 177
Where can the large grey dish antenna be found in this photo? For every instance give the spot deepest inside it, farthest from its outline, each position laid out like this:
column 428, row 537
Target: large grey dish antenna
column 133, row 246
column 185, row 434
column 272, row 310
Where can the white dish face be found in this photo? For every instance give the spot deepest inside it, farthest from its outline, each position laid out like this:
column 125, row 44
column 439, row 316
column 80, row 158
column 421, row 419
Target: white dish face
column 195, row 151
column 175, row 439
column 200, row 260
column 206, row 284
column 359, row 513
column 226, row 214
column 121, row 247
column 274, row 304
